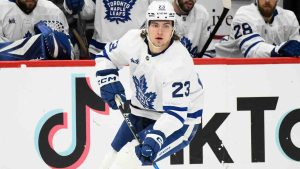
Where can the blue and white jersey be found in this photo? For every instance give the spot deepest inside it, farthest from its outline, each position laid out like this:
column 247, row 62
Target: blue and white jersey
column 112, row 19
column 193, row 29
column 251, row 36
column 165, row 87
column 16, row 25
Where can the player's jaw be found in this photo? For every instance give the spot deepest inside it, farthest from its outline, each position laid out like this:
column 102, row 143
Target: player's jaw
column 267, row 7
column 27, row 5
column 186, row 5
column 159, row 34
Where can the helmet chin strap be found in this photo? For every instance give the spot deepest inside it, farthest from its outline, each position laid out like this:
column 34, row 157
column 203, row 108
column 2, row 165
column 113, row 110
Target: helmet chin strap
column 152, row 44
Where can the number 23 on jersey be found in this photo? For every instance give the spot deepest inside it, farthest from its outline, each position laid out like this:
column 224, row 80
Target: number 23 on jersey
column 181, row 89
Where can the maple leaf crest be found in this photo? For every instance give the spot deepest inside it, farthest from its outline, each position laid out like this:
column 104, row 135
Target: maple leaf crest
column 145, row 98
column 189, row 45
column 118, row 10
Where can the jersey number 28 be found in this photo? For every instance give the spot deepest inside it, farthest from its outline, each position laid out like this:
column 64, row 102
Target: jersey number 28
column 243, row 29
column 181, row 89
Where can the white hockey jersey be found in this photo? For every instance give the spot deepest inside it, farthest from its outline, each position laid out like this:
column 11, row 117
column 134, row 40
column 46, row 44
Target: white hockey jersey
column 166, row 82
column 112, row 19
column 193, row 29
column 251, row 36
column 15, row 24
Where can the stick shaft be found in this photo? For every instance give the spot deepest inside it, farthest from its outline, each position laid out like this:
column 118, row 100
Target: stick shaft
column 129, row 124
column 213, row 33
column 82, row 33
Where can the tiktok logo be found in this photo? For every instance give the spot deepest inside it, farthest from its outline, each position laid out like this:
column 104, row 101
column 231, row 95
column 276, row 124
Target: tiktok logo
column 84, row 99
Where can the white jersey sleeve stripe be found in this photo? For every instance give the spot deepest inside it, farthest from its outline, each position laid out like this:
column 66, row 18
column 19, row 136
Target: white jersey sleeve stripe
column 249, row 42
column 103, row 54
column 248, row 39
column 250, row 47
column 176, row 115
column 177, row 112
column 98, row 45
column 195, row 114
column 103, row 62
column 166, row 108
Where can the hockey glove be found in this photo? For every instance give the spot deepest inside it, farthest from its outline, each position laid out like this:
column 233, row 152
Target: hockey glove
column 33, row 48
column 109, row 83
column 41, row 27
column 151, row 145
column 57, row 44
column 290, row 48
column 75, row 5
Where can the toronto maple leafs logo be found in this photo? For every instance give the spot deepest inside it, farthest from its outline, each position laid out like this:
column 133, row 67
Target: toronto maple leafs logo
column 118, row 10
column 189, row 45
column 144, row 97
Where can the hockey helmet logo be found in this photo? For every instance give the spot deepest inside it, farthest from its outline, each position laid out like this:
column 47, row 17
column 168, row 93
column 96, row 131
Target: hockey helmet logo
column 162, row 7
column 160, row 10
column 118, row 10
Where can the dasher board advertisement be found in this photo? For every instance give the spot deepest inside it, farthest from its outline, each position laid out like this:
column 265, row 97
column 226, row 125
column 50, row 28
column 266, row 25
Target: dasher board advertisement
column 51, row 116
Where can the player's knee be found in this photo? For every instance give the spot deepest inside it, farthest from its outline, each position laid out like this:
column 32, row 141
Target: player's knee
column 109, row 159
column 126, row 157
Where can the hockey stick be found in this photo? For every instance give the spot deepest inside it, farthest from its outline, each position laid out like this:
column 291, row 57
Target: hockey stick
column 226, row 8
column 129, row 124
column 80, row 41
column 82, row 33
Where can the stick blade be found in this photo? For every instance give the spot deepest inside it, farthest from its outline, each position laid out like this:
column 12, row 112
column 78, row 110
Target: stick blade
column 226, row 4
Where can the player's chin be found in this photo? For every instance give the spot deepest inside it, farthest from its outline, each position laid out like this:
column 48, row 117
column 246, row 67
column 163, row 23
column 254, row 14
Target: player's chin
column 267, row 13
column 158, row 45
column 30, row 6
column 188, row 6
column 158, row 42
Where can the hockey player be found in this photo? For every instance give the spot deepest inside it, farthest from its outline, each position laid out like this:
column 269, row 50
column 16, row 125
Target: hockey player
column 262, row 29
column 33, row 29
column 112, row 19
column 192, row 25
column 167, row 94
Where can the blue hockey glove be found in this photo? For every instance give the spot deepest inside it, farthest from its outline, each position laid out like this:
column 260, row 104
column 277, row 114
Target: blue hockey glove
column 151, row 145
column 41, row 27
column 75, row 5
column 57, row 44
column 31, row 48
column 109, row 83
column 289, row 48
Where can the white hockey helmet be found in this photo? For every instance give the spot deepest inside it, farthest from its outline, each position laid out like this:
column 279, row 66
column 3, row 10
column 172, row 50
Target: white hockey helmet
column 160, row 10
